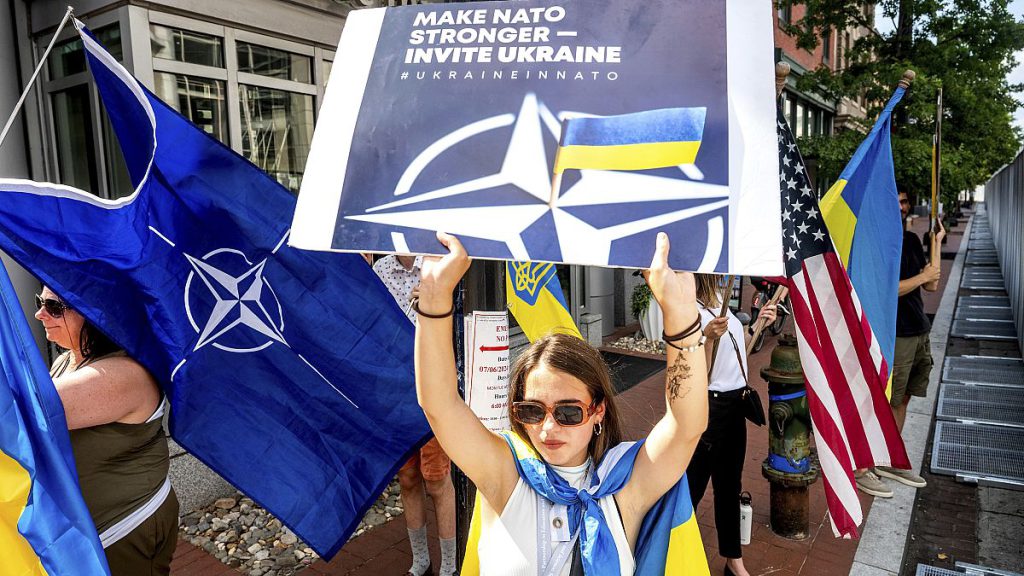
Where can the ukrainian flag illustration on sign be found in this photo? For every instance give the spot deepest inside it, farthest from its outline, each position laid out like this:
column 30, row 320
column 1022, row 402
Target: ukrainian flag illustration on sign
column 639, row 141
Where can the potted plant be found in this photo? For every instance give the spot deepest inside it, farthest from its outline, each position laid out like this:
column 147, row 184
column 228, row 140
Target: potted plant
column 645, row 309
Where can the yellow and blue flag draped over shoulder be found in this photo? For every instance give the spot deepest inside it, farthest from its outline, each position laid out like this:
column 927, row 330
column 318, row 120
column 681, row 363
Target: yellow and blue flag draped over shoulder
column 535, row 299
column 669, row 541
column 862, row 213
column 638, row 141
column 45, row 528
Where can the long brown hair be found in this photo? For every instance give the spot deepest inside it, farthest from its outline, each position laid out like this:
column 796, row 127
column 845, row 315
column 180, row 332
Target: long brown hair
column 575, row 357
column 709, row 290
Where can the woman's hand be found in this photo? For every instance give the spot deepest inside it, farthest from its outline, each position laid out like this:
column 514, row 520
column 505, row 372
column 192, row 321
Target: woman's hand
column 715, row 328
column 439, row 275
column 676, row 292
column 767, row 315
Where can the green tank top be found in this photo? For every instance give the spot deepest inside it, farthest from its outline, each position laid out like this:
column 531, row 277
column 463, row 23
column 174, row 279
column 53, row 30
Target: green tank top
column 120, row 466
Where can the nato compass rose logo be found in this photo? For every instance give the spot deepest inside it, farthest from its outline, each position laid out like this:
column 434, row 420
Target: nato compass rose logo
column 525, row 167
column 242, row 299
column 232, row 307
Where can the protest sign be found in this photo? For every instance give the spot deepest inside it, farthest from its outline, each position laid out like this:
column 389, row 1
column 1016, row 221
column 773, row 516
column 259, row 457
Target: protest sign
column 445, row 117
column 487, row 368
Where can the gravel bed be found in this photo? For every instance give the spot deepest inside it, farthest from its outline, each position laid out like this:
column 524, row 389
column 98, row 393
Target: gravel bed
column 638, row 344
column 243, row 535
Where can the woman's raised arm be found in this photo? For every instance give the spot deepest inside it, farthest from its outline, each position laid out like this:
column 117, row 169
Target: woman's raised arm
column 482, row 455
column 670, row 445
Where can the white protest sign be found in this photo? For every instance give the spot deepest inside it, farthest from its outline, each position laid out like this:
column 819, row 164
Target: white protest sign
column 487, row 368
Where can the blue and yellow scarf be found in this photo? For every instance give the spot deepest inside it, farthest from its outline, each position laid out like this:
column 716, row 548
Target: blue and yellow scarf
column 669, row 542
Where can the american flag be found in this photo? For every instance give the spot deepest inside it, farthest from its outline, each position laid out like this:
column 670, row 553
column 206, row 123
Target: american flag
column 842, row 362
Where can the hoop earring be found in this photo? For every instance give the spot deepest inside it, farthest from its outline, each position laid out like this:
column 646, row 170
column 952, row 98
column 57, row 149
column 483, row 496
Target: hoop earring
column 598, row 429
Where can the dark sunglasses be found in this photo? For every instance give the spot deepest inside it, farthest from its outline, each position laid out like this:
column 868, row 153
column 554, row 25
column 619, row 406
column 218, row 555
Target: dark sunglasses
column 568, row 414
column 54, row 308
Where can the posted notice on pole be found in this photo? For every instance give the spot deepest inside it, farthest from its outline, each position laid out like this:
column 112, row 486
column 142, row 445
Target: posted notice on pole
column 487, row 368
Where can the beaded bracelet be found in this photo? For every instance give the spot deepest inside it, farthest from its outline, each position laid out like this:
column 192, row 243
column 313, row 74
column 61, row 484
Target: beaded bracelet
column 691, row 348
column 416, row 307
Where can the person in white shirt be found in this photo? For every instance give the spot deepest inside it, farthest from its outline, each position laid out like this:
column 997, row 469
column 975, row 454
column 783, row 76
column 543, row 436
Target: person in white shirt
column 564, row 413
column 723, row 446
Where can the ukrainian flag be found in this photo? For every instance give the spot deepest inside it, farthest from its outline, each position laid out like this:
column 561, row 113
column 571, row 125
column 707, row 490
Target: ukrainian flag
column 640, row 141
column 862, row 212
column 45, row 528
column 669, row 542
column 535, row 299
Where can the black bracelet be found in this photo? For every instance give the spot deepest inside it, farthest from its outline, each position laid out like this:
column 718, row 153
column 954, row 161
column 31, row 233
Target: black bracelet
column 692, row 348
column 416, row 307
column 689, row 331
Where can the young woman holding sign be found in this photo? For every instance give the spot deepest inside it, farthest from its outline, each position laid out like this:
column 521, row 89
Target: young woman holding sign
column 534, row 516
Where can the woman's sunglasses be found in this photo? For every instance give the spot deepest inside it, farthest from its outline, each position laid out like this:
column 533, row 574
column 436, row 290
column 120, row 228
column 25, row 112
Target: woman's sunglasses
column 568, row 414
column 54, row 308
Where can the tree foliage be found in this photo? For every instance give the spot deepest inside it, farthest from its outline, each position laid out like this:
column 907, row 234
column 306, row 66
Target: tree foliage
column 965, row 46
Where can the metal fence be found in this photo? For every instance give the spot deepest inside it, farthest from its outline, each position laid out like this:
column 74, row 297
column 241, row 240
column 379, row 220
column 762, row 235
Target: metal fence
column 1004, row 198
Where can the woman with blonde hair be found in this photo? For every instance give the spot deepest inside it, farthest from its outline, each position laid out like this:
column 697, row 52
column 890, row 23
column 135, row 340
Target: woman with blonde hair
column 553, row 500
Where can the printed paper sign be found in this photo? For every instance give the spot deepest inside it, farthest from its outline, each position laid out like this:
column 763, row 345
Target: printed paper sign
column 487, row 368
column 450, row 117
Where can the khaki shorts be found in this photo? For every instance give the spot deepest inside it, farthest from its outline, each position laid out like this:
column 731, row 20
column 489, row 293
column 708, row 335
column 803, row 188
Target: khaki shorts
column 912, row 366
column 432, row 462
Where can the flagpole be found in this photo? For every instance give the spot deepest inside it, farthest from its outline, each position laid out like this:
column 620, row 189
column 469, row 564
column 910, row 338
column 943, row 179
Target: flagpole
column 556, row 183
column 760, row 325
column 726, row 296
column 35, row 74
column 936, row 180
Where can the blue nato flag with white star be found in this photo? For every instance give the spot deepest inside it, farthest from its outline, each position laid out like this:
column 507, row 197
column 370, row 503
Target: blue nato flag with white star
column 289, row 372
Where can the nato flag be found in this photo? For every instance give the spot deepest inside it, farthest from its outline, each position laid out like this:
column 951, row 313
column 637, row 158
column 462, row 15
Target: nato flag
column 290, row 373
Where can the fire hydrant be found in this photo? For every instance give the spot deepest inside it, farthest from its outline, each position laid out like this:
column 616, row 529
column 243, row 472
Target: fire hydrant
column 789, row 467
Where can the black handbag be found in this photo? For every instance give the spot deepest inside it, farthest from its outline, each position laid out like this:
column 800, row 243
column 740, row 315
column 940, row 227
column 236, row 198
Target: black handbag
column 753, row 410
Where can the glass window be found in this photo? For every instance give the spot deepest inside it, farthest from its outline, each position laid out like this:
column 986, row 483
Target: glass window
column 201, row 100
column 68, row 57
column 277, row 128
column 186, row 46
column 327, row 71
column 785, row 12
column 274, row 63
column 73, row 130
column 118, row 182
column 800, row 122
column 826, row 46
column 787, row 106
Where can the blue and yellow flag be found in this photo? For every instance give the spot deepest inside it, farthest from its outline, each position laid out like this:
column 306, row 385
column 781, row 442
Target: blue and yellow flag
column 45, row 527
column 669, row 541
column 862, row 212
column 639, row 141
column 535, row 299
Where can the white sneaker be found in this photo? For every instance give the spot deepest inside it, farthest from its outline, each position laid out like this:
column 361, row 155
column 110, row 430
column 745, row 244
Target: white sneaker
column 902, row 476
column 871, row 484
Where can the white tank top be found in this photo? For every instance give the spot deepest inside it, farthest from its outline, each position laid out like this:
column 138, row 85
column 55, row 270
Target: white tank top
column 508, row 545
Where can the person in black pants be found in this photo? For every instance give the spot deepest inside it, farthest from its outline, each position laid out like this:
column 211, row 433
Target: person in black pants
column 723, row 446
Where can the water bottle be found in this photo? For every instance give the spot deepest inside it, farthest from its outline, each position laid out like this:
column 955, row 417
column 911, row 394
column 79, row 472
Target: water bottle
column 746, row 517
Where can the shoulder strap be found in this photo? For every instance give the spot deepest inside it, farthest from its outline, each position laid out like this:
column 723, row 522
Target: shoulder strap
column 739, row 359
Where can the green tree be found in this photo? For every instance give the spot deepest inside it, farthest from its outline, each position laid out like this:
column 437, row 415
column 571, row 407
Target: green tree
column 965, row 46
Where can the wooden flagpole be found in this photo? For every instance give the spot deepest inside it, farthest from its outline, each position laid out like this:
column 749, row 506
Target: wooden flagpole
column 726, row 296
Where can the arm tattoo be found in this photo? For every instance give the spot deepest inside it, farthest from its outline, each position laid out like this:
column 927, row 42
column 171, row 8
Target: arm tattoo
column 678, row 374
